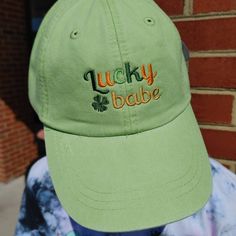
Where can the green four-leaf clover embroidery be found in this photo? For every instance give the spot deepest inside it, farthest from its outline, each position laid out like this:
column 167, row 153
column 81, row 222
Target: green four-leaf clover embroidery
column 100, row 103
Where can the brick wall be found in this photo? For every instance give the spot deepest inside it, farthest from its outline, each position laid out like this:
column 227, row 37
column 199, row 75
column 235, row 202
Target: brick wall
column 17, row 147
column 208, row 29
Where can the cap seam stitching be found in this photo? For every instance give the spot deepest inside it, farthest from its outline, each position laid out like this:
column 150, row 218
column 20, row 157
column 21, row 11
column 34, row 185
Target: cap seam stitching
column 121, row 56
column 150, row 195
column 138, row 190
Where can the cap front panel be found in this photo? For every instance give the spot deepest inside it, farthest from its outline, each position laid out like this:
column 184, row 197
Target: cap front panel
column 106, row 77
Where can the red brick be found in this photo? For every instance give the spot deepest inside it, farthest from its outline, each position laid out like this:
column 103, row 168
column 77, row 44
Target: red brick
column 220, row 144
column 171, row 7
column 201, row 6
column 209, row 34
column 216, row 72
column 210, row 108
column 17, row 143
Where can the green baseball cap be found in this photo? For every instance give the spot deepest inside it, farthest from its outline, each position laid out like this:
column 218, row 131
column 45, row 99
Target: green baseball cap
column 109, row 81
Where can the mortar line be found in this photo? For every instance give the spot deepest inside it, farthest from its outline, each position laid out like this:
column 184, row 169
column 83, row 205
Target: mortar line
column 216, row 91
column 211, row 53
column 234, row 112
column 188, row 7
column 202, row 17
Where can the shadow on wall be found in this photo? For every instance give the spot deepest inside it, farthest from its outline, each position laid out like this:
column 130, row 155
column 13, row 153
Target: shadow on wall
column 19, row 24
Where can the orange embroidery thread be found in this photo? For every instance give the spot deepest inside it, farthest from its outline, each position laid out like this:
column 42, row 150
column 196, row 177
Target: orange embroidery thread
column 128, row 100
column 100, row 83
column 114, row 101
column 145, row 96
column 151, row 75
column 108, row 80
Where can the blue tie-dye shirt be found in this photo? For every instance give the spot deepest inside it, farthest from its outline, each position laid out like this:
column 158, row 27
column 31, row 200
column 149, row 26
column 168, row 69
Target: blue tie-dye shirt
column 42, row 214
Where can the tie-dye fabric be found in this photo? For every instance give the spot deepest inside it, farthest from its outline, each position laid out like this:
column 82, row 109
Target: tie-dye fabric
column 42, row 214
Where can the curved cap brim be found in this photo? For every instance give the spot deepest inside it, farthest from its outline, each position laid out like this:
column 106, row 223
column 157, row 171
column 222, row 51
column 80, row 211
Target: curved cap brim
column 134, row 182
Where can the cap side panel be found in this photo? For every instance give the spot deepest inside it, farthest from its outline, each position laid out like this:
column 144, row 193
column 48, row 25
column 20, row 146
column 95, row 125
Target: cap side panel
column 71, row 95
column 37, row 77
column 146, row 48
